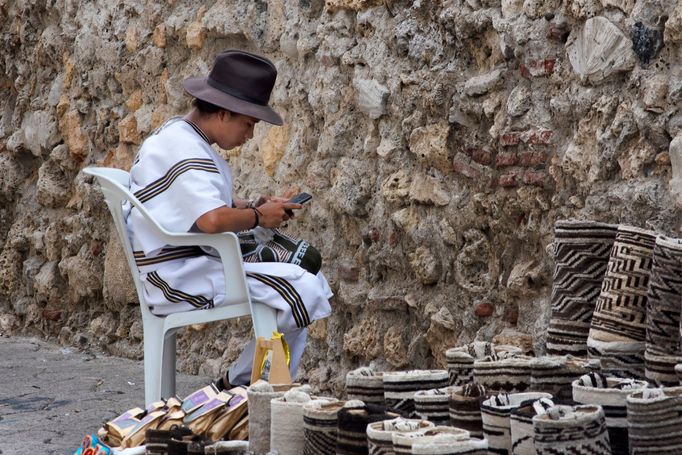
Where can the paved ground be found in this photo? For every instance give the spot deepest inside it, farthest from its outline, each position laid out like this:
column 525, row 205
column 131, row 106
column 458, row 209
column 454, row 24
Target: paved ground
column 50, row 397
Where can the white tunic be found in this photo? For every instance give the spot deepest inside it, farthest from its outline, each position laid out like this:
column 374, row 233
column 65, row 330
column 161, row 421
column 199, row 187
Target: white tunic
column 178, row 177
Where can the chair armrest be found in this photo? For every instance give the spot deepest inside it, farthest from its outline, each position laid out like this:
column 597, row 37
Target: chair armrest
column 223, row 242
column 226, row 245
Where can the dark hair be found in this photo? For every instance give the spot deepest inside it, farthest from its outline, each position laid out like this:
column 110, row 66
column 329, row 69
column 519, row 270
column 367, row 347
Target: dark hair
column 207, row 108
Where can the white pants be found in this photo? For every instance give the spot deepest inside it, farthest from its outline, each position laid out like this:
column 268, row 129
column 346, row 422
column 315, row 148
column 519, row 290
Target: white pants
column 240, row 370
column 197, row 282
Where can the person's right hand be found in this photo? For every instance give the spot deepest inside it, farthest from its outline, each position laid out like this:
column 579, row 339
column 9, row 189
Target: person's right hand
column 263, row 198
column 273, row 214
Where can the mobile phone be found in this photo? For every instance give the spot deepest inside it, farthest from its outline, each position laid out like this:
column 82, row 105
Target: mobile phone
column 300, row 198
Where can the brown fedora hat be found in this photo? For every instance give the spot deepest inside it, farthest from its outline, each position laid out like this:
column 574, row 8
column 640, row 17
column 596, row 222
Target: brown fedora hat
column 240, row 82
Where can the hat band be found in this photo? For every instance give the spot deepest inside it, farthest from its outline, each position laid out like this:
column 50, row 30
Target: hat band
column 234, row 92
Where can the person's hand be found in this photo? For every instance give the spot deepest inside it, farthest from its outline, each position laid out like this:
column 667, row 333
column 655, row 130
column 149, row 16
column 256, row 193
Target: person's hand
column 263, row 198
column 274, row 213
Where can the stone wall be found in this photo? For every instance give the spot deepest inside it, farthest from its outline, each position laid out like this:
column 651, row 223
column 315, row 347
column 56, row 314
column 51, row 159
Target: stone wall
column 441, row 140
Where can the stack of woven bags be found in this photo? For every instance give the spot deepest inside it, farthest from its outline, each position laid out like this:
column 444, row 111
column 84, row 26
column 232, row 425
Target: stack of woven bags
column 379, row 417
column 608, row 384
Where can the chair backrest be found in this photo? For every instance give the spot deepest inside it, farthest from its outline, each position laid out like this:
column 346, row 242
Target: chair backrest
column 115, row 185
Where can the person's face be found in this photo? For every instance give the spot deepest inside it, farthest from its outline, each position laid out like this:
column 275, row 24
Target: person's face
column 235, row 129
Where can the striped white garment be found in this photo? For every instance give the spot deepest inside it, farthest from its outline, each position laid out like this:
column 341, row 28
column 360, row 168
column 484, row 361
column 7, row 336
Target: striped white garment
column 178, row 177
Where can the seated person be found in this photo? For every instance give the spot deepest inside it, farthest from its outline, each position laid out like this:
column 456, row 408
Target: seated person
column 187, row 186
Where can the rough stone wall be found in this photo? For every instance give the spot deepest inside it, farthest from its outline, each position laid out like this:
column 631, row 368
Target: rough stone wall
column 441, row 140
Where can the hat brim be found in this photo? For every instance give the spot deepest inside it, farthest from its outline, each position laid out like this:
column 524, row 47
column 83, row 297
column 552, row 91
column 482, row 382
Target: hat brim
column 198, row 87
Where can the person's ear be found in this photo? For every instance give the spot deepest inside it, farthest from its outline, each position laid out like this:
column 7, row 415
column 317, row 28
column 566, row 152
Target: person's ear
column 224, row 115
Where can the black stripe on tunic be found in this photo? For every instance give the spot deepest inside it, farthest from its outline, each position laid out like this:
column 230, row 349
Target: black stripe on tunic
column 197, row 130
column 289, row 294
column 177, row 296
column 167, row 254
column 301, row 307
column 163, row 183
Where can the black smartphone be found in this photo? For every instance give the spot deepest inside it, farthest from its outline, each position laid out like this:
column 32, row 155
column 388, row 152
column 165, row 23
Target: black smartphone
column 300, row 198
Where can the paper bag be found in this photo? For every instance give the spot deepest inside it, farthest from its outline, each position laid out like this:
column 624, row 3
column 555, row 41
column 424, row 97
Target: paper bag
column 136, row 435
column 200, row 420
column 197, row 399
column 270, row 360
column 117, row 429
column 233, row 412
column 174, row 414
column 240, row 432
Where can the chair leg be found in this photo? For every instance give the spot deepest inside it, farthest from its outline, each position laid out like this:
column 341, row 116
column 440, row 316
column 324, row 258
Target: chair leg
column 153, row 356
column 168, row 366
column 264, row 320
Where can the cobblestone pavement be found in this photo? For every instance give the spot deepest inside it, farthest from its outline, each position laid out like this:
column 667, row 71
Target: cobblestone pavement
column 50, row 396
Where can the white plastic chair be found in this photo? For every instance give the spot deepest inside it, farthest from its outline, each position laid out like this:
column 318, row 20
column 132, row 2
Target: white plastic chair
column 159, row 331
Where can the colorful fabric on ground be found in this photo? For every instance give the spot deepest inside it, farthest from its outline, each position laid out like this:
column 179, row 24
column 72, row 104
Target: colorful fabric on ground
column 91, row 445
